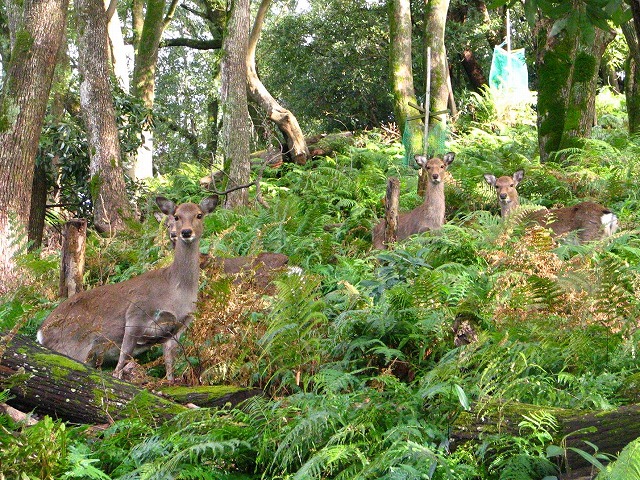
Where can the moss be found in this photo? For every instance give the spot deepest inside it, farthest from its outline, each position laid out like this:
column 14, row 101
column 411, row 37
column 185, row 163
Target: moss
column 146, row 404
column 53, row 361
column 22, row 46
column 584, row 67
column 210, row 391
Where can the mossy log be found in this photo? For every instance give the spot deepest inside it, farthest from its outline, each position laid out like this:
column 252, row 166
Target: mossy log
column 53, row 384
column 209, row 396
column 609, row 430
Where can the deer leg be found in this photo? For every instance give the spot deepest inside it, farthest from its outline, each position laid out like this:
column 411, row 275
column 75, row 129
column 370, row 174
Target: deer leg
column 170, row 346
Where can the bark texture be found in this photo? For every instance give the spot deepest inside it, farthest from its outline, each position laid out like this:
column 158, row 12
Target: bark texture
column 568, row 74
column 632, row 69
column 236, row 133
column 296, row 148
column 400, row 63
column 61, row 387
column 435, row 22
column 110, row 206
column 39, row 29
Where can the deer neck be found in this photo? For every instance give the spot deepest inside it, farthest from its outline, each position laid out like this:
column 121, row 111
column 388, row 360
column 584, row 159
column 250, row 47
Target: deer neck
column 433, row 203
column 507, row 208
column 185, row 269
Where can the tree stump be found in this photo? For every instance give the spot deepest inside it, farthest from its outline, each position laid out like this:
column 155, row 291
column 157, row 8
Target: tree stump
column 391, row 212
column 72, row 263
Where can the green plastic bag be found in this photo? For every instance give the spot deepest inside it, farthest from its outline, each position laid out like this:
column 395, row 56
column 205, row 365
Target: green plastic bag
column 508, row 72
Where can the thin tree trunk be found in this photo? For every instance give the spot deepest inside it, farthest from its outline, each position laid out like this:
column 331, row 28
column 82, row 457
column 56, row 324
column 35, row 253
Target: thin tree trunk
column 400, row 63
column 435, row 22
column 632, row 71
column 117, row 48
column 37, row 212
column 40, row 29
column 285, row 120
column 108, row 193
column 235, row 127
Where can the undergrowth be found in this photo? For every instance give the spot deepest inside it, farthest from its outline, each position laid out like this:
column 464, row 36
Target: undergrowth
column 370, row 358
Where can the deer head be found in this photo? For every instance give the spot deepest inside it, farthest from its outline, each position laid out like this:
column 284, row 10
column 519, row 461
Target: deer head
column 117, row 321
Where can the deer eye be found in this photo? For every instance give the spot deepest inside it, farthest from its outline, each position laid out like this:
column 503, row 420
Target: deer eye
column 511, row 185
column 199, row 215
column 175, row 217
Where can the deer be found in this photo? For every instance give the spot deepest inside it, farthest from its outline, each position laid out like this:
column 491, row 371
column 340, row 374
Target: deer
column 115, row 322
column 590, row 220
column 429, row 215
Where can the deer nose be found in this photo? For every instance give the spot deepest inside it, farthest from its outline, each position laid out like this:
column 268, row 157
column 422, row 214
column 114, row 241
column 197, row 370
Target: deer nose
column 435, row 176
column 503, row 196
column 186, row 233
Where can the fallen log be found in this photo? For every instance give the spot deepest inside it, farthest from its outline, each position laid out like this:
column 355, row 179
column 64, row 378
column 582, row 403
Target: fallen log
column 610, row 430
column 53, row 384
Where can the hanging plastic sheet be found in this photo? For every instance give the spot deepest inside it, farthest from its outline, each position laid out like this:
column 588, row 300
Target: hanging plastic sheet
column 508, row 72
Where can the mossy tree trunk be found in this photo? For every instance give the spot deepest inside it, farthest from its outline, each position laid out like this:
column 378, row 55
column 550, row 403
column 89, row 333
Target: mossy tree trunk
column 296, row 147
column 568, row 73
column 434, row 23
column 632, row 71
column 38, row 30
column 401, row 75
column 147, row 35
column 236, row 135
column 108, row 192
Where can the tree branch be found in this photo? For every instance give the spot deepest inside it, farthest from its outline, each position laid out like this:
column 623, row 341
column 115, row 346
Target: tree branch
column 214, row 44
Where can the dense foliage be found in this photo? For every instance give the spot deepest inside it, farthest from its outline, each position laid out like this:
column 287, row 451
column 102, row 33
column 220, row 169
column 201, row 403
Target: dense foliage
column 362, row 354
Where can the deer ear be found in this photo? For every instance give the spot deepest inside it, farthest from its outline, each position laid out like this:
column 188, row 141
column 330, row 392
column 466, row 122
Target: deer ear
column 420, row 160
column 518, row 176
column 448, row 158
column 166, row 206
column 208, row 205
column 490, row 179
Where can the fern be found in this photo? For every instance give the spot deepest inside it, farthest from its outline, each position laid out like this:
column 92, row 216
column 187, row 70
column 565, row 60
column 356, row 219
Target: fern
column 626, row 466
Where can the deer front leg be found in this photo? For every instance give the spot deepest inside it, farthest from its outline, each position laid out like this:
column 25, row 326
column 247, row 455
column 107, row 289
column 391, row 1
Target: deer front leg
column 170, row 346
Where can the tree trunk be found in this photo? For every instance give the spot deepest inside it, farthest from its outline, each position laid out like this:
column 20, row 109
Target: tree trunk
column 568, row 73
column 40, row 29
column 632, row 70
column 38, row 208
column 473, row 70
column 117, row 47
column 435, row 22
column 400, row 63
column 108, row 193
column 56, row 385
column 73, row 255
column 287, row 123
column 235, row 128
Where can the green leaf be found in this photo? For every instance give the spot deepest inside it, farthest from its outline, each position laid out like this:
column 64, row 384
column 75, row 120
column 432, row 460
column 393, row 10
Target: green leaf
column 530, row 11
column 462, row 397
column 588, row 457
column 554, row 451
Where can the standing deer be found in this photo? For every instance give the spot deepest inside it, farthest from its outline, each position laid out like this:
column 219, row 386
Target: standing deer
column 590, row 220
column 118, row 321
column 430, row 214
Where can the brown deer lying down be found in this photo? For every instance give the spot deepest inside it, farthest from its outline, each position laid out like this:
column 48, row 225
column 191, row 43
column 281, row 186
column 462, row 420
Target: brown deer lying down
column 114, row 322
column 430, row 214
column 590, row 220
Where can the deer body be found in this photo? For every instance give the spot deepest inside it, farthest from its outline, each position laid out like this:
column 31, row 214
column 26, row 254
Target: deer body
column 430, row 214
column 591, row 220
column 113, row 323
